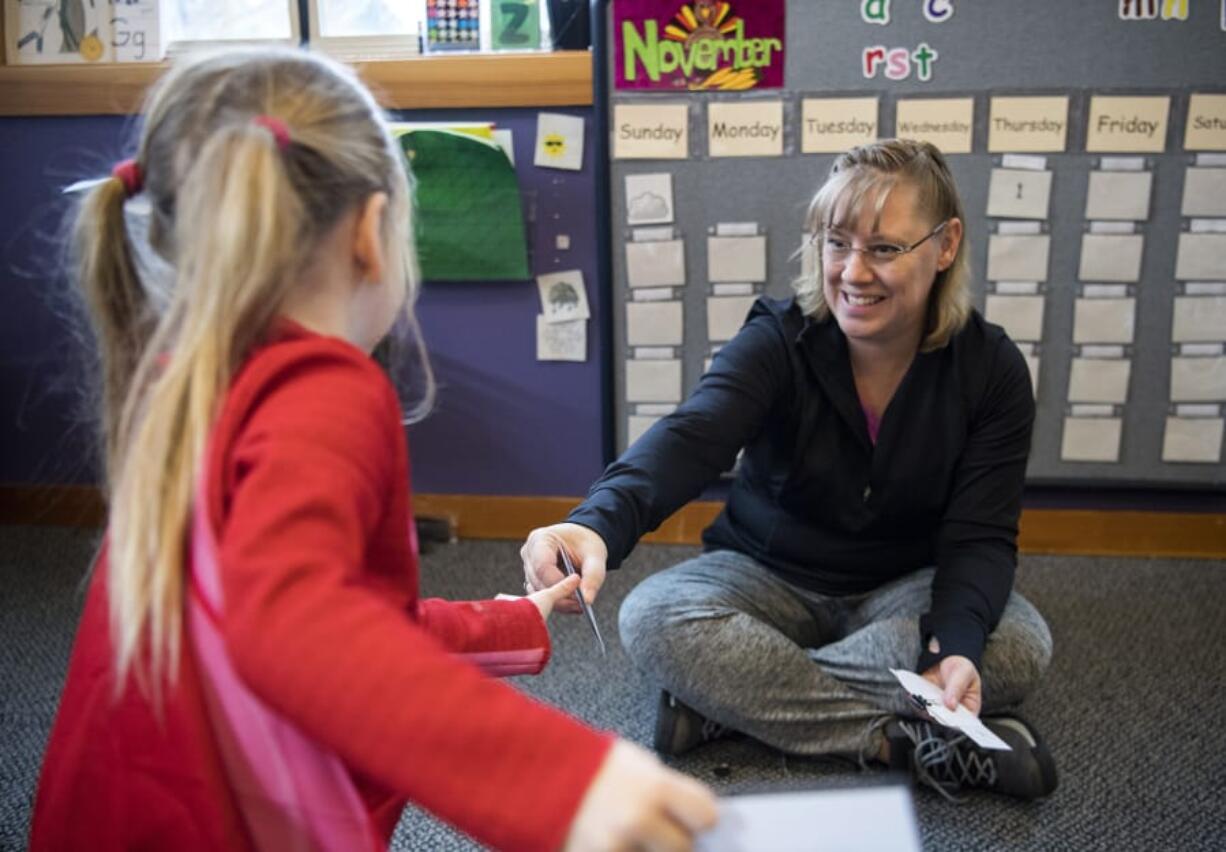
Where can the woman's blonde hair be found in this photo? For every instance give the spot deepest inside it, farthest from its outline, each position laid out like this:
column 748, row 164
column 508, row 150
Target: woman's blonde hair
column 236, row 212
column 865, row 175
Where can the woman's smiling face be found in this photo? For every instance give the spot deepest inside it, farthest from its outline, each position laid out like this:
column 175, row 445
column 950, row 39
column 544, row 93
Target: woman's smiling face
column 876, row 279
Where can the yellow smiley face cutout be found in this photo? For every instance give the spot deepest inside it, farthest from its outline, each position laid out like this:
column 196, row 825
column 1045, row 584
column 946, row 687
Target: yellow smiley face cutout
column 554, row 144
column 91, row 48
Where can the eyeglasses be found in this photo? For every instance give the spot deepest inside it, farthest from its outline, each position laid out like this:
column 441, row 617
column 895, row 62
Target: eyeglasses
column 836, row 248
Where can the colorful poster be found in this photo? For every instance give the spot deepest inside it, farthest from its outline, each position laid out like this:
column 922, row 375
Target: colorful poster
column 708, row 45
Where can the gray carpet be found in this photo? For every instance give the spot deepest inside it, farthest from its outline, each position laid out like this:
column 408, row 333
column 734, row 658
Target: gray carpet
column 1132, row 706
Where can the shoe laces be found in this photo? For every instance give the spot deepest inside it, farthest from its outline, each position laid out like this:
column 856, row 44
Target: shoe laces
column 947, row 764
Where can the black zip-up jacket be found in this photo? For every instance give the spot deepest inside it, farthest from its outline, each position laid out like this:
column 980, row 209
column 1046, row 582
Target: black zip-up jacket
column 814, row 500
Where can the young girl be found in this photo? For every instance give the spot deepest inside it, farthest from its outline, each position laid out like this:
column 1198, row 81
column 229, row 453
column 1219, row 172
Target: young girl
column 254, row 667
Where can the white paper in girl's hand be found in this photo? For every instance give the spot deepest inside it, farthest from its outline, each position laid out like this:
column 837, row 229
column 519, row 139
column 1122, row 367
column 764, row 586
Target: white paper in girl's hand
column 922, row 690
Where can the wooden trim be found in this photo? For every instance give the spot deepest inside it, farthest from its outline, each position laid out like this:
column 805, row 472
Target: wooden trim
column 563, row 78
column 1199, row 535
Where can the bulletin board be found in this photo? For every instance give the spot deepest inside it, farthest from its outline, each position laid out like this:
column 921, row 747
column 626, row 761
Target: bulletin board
column 1104, row 259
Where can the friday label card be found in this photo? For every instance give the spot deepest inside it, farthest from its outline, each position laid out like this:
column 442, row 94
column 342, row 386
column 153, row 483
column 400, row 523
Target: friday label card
column 1127, row 124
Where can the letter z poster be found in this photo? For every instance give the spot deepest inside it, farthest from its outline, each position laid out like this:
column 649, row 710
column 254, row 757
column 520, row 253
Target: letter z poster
column 699, row 45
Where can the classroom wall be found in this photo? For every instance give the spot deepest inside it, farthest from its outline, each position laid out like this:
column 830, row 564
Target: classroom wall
column 504, row 422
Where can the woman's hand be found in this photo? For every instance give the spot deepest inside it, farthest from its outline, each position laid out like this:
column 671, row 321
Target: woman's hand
column 635, row 802
column 540, row 555
column 959, row 681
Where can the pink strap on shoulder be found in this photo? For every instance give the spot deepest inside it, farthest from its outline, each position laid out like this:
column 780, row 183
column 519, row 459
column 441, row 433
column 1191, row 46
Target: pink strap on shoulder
column 293, row 793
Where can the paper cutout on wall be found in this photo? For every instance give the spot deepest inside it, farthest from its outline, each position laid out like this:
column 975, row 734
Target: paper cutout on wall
column 561, row 341
column 1099, row 380
column 649, row 198
column 653, row 381
column 1018, row 258
column 1091, row 439
column 1020, row 316
column 563, row 296
column 1119, row 195
column 1204, row 192
column 726, row 315
column 1104, row 320
column 1028, row 124
column 1111, row 257
column 655, row 263
column 469, row 223
column 1201, row 257
column 1199, row 319
column 559, row 141
column 1019, row 194
column 1193, row 439
column 1198, row 379
column 737, row 259
column 653, row 323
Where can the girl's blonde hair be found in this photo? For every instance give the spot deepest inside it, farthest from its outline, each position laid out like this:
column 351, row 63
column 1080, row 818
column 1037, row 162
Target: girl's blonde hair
column 236, row 213
column 864, row 176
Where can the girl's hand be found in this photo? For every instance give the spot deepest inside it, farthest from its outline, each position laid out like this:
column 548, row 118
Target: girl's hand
column 635, row 802
column 547, row 598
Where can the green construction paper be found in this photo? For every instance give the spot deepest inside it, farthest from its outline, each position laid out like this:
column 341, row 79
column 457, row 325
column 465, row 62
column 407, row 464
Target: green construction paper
column 516, row 24
column 469, row 218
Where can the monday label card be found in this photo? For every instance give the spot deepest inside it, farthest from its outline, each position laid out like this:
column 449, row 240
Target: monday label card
column 745, row 129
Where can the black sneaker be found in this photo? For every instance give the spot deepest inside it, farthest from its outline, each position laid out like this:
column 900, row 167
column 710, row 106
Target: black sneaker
column 948, row 761
column 680, row 728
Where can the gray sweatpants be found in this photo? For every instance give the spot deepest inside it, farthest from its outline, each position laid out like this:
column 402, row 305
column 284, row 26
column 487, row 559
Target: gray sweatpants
column 804, row 672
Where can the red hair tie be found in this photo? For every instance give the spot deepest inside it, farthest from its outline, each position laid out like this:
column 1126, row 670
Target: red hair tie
column 130, row 176
column 276, row 127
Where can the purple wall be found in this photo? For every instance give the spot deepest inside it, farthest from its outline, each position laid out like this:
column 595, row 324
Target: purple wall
column 504, row 422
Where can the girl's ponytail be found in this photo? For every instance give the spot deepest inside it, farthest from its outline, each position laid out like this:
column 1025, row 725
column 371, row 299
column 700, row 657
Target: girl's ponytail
column 239, row 229
column 113, row 294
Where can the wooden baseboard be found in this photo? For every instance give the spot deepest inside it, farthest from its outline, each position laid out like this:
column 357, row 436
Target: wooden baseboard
column 1200, row 535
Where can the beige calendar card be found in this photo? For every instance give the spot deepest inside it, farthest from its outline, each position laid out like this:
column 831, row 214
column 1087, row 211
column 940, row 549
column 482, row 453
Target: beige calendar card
column 1091, row 439
column 833, row 125
column 1028, row 125
column 1193, row 439
column 653, row 381
column 1206, row 130
column 651, row 131
column 1127, row 124
column 947, row 123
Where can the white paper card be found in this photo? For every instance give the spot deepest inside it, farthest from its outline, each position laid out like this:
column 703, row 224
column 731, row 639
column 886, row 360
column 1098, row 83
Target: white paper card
column 736, row 259
column 1204, row 193
column 561, row 341
column 1111, row 257
column 1205, row 288
column 563, row 296
column 1092, row 409
column 1119, row 195
column 1032, row 364
column 1199, row 319
column 643, row 235
column 653, row 381
column 1099, row 380
column 1198, row 379
column 1014, row 226
column 1202, row 349
column 659, row 263
column 736, row 229
column 1198, row 409
column 1104, row 320
column 1091, row 439
column 1100, row 226
column 731, row 289
column 653, row 353
column 636, row 425
column 1104, row 291
column 1201, row 257
column 504, row 139
column 1018, row 258
column 1207, row 226
column 1019, row 194
column 868, row 819
column 655, row 409
column 1193, row 439
column 653, row 323
column 726, row 315
column 649, row 199
column 559, row 141
column 1020, row 316
column 923, row 690
column 1101, row 351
